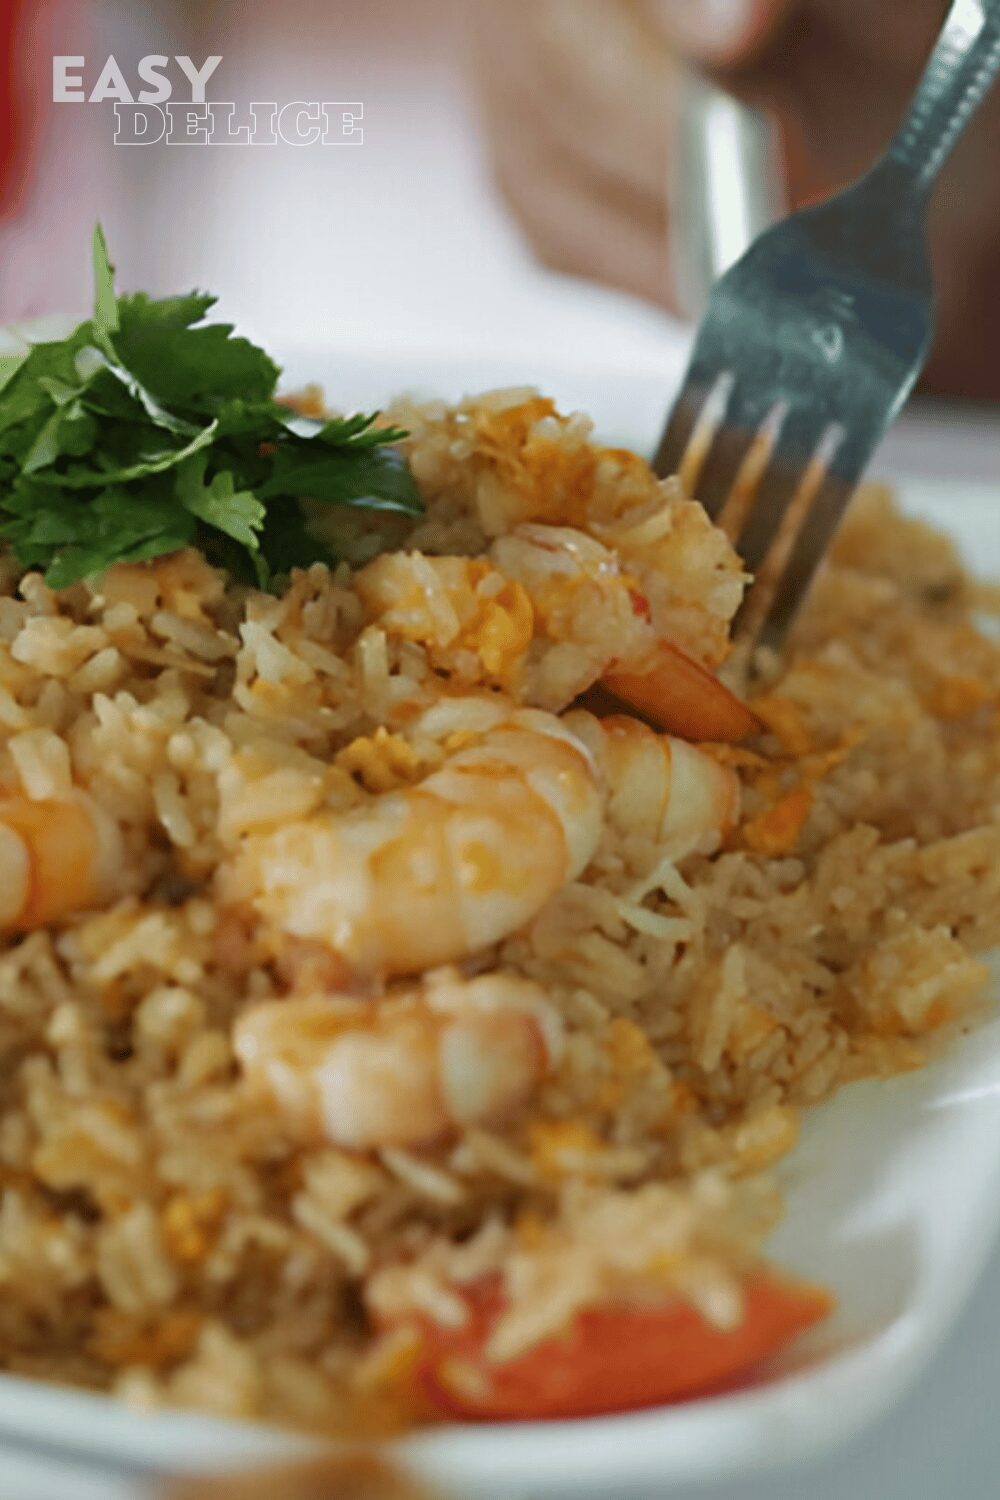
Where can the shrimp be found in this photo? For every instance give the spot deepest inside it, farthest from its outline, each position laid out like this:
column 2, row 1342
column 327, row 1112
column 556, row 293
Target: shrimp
column 432, row 873
column 690, row 577
column 535, row 615
column 56, row 858
column 542, row 466
column 584, row 598
column 687, row 580
column 659, row 786
column 403, row 1071
column 461, row 609
column 583, row 602
column 549, row 613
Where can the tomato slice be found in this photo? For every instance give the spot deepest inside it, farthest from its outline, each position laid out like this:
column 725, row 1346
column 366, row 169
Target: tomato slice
column 683, row 698
column 614, row 1358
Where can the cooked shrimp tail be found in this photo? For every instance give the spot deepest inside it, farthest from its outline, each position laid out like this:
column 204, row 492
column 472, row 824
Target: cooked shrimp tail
column 679, row 695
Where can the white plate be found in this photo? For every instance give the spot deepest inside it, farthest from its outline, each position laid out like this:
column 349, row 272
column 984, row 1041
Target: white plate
column 893, row 1193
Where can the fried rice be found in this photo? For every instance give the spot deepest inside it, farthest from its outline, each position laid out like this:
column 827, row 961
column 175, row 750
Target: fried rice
column 168, row 1235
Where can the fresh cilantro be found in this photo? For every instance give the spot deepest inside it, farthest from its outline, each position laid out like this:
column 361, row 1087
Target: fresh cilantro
column 94, row 367
column 105, row 302
column 50, row 528
column 344, row 476
column 286, row 540
column 115, row 467
column 148, row 429
column 236, row 512
column 357, row 430
column 189, row 363
column 9, row 366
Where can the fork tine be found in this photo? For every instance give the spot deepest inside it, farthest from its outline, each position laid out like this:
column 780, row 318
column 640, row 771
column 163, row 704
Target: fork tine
column 770, row 575
column 818, row 527
column 698, row 415
column 736, row 468
column 799, row 443
column 722, row 461
column 677, row 434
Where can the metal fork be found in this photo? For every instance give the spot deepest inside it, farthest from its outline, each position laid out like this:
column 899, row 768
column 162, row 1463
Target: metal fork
column 813, row 340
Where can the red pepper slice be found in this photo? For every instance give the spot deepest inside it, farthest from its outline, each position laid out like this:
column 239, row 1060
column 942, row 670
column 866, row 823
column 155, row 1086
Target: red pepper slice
column 615, row 1358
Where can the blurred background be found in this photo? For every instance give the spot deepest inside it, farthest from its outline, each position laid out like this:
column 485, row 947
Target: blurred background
column 402, row 242
column 502, row 137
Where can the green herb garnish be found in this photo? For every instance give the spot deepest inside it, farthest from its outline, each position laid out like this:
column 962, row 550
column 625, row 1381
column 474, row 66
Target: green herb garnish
column 149, row 429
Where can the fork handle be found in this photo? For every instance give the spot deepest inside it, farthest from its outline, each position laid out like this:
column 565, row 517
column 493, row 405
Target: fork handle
column 961, row 69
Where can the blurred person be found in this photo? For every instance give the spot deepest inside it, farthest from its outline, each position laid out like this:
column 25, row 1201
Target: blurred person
column 575, row 97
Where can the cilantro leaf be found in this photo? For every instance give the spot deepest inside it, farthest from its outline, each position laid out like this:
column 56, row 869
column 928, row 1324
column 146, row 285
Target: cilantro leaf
column 145, row 464
column 148, row 429
column 288, row 543
column 263, row 421
column 9, row 366
column 358, row 431
column 69, row 430
column 137, row 310
column 61, row 393
column 194, row 367
column 23, row 398
column 105, row 302
column 90, row 362
column 219, row 503
column 73, row 541
column 375, row 477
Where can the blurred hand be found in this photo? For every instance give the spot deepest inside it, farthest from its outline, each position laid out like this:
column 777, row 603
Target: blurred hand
column 575, row 94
